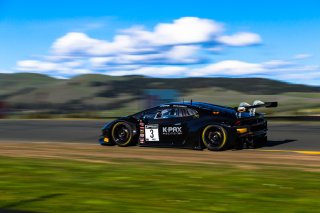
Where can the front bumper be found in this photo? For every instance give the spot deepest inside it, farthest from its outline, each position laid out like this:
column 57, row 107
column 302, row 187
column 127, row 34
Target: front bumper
column 101, row 140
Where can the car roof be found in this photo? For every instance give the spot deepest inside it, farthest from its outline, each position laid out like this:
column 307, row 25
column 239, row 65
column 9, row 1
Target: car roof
column 201, row 105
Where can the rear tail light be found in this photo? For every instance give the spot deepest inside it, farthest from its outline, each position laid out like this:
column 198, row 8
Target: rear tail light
column 242, row 130
column 237, row 123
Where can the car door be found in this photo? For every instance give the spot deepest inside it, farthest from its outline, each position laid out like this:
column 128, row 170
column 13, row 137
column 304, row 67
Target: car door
column 169, row 128
column 186, row 117
column 156, row 128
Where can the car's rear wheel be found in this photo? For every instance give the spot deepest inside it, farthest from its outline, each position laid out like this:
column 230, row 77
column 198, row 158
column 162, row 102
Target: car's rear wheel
column 214, row 137
column 122, row 134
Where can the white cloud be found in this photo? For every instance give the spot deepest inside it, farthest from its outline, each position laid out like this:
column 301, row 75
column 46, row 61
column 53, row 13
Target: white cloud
column 303, row 76
column 186, row 30
column 302, row 56
column 79, row 44
column 228, row 68
column 183, row 53
column 274, row 68
column 65, row 68
column 181, row 39
column 35, row 65
column 278, row 64
column 185, row 41
column 175, row 55
column 309, row 77
column 100, row 61
column 178, row 49
column 166, row 71
column 240, row 39
column 6, row 71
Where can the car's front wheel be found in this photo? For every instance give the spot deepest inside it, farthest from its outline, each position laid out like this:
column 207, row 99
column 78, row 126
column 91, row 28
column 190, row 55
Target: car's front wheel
column 122, row 133
column 214, row 137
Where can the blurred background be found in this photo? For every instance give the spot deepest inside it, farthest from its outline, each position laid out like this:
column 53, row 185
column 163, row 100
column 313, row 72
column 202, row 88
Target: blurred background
column 61, row 60
column 103, row 59
column 27, row 95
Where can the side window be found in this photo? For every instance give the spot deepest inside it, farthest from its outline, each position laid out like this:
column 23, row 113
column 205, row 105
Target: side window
column 167, row 113
column 183, row 112
column 191, row 112
column 151, row 113
column 174, row 113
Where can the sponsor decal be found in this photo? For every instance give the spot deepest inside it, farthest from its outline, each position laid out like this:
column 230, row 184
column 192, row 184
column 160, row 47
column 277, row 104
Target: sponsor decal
column 152, row 132
column 177, row 130
column 141, row 136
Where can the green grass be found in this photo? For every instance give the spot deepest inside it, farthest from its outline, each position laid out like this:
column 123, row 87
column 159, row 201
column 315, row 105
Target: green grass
column 142, row 186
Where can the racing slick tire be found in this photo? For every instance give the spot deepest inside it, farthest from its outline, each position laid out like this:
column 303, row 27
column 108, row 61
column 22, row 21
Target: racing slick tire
column 122, row 133
column 214, row 137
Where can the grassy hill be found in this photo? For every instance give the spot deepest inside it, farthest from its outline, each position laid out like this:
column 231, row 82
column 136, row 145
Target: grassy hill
column 101, row 95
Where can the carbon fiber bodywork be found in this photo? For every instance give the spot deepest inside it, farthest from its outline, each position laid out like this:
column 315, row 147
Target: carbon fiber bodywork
column 185, row 128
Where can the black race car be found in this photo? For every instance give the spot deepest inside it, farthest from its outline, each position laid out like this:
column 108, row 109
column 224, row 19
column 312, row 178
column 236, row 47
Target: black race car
column 194, row 125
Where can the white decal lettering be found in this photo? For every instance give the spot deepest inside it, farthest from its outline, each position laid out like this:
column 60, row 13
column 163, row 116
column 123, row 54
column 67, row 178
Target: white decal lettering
column 172, row 130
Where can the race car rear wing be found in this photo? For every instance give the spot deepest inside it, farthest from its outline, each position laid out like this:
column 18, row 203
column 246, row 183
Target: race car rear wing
column 245, row 107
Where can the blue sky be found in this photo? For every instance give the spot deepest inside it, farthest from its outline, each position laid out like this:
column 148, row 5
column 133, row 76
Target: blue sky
column 161, row 38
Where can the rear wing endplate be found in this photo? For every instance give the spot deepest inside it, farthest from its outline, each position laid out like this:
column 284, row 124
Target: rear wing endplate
column 245, row 107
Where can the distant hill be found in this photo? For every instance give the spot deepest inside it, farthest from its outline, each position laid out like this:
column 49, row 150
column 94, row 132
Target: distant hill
column 100, row 92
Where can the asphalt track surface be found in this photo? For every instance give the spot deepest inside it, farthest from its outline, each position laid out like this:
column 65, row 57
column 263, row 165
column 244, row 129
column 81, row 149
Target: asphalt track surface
column 282, row 135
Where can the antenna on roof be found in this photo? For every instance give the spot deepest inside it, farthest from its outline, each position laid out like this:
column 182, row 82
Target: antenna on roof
column 191, row 101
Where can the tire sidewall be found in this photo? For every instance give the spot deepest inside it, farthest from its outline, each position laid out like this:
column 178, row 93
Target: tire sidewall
column 225, row 138
column 129, row 141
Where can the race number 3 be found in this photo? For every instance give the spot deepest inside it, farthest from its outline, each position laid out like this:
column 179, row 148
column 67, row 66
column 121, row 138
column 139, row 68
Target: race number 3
column 152, row 132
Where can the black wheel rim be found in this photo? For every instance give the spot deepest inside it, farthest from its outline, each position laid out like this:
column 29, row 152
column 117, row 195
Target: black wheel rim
column 214, row 137
column 121, row 134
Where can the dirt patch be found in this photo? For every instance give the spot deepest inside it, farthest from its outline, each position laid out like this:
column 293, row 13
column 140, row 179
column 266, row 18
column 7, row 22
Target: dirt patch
column 247, row 159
